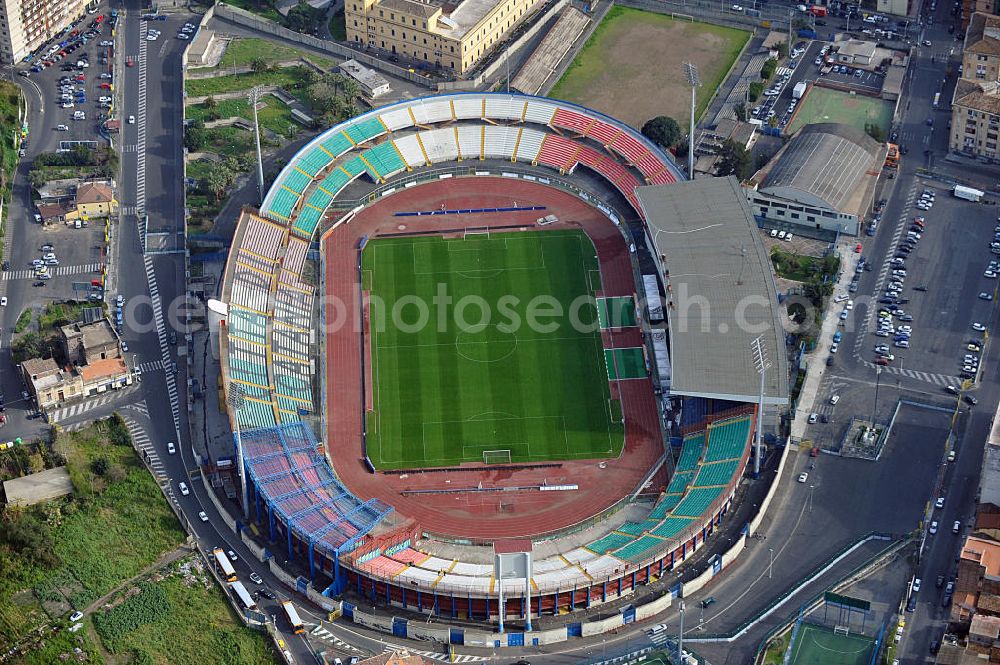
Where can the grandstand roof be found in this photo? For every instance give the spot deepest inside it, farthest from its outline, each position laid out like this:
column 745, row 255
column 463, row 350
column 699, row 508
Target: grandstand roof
column 721, row 290
column 828, row 165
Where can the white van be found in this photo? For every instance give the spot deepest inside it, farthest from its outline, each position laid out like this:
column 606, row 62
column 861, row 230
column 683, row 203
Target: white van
column 834, row 399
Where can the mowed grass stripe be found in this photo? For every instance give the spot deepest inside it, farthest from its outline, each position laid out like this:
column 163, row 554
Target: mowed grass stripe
column 443, row 395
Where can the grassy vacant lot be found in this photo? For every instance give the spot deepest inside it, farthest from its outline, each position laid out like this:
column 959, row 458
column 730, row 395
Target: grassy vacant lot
column 826, row 105
column 284, row 77
column 273, row 115
column 446, row 392
column 800, row 268
column 67, row 553
column 630, row 68
column 189, row 621
column 242, row 52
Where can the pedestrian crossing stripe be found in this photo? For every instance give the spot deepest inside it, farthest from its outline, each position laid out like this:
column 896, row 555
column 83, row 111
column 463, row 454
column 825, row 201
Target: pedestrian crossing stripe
column 55, row 271
column 67, row 412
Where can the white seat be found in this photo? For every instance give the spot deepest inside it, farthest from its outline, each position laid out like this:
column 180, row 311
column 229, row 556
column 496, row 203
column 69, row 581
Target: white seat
column 397, row 119
column 410, row 149
column 539, row 112
column 470, row 141
column 468, row 107
column 530, row 144
column 504, row 108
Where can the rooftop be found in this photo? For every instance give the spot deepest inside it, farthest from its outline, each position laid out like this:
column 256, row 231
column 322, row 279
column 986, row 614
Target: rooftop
column 985, row 626
column 983, row 34
column 367, row 77
column 96, row 334
column 721, row 290
column 38, row 487
column 459, row 17
column 103, row 369
column 984, row 552
column 977, row 95
column 94, row 192
column 857, row 47
column 827, row 165
column 989, row 480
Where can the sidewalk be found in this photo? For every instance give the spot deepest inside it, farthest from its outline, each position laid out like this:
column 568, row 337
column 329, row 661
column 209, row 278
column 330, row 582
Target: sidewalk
column 817, row 364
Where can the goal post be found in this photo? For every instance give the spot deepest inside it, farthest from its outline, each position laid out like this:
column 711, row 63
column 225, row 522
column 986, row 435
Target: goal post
column 841, row 630
column 478, row 232
column 491, row 457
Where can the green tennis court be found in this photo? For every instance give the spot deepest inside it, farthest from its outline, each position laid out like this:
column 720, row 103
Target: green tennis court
column 616, row 312
column 625, row 363
column 818, row 645
column 512, row 360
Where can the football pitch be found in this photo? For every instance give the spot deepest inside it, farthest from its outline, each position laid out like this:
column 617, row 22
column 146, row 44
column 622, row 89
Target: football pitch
column 486, row 343
column 818, row 645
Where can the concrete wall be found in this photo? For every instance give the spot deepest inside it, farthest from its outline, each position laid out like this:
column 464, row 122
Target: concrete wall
column 755, row 522
column 692, row 587
column 328, row 604
column 603, row 625
column 223, row 514
column 653, row 608
column 257, row 550
column 371, row 621
column 250, row 20
column 734, row 551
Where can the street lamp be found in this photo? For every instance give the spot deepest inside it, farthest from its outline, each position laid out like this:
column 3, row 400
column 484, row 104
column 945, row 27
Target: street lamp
column 878, row 377
column 770, row 564
column 253, row 96
column 761, row 364
column 694, row 80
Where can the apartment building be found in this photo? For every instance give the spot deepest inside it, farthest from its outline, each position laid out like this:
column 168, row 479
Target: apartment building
column 26, row 25
column 970, row 7
column 446, row 33
column 975, row 105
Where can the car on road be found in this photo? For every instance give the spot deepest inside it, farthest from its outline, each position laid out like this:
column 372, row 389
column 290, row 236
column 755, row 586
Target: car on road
column 939, row 503
column 183, row 488
column 131, row 120
column 952, row 389
column 267, row 593
column 813, row 417
column 202, row 516
column 916, row 585
column 803, row 476
column 232, row 555
column 708, row 601
column 256, row 579
column 62, row 128
column 970, row 400
column 956, row 526
column 171, row 448
column 984, row 295
column 978, row 326
column 124, row 344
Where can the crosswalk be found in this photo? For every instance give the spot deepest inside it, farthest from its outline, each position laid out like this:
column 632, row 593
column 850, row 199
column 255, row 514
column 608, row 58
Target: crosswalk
column 80, row 408
column 161, row 333
column 437, row 655
column 322, row 633
column 55, row 271
column 145, row 446
column 128, row 210
column 150, row 366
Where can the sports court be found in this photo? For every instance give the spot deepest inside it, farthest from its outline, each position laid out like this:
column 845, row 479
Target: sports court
column 627, row 363
column 617, row 312
column 511, row 370
column 818, row 645
column 827, row 105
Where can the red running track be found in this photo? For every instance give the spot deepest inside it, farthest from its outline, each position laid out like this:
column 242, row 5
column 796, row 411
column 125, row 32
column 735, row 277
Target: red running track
column 479, row 516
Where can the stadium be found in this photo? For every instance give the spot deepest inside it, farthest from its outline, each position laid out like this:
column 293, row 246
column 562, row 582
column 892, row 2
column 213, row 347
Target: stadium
column 392, row 458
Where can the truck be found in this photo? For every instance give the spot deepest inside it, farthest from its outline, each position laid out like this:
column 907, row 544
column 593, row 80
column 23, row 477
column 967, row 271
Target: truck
column 967, row 193
column 293, row 617
column 818, row 11
column 799, row 90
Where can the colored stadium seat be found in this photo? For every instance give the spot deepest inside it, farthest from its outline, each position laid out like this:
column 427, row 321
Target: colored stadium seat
column 365, row 130
column 680, row 481
column 671, row 527
column 282, row 204
column 697, row 502
column 716, row 473
column 691, row 451
column 572, row 120
column 385, row 159
column 728, row 439
column 609, row 542
column 297, row 181
column 336, row 144
column 640, row 548
column 307, row 219
column 315, row 161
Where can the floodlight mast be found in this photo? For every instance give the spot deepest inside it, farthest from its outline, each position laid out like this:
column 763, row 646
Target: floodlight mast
column 761, row 364
column 694, row 80
column 236, row 400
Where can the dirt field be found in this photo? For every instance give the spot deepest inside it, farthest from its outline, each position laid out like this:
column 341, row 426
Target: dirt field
column 630, row 67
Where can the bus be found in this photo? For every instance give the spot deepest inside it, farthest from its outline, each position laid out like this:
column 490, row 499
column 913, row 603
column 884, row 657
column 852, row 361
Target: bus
column 241, row 594
column 293, row 617
column 225, row 568
column 937, row 99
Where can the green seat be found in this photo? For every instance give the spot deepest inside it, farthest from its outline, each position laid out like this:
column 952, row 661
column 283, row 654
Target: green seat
column 697, row 501
column 337, row 144
column 365, row 130
column 639, row 548
column 297, row 181
column 385, row 159
column 307, row 220
column 716, row 473
column 691, row 451
column 671, row 527
column 315, row 161
column 609, row 542
column 728, row 440
column 282, row 204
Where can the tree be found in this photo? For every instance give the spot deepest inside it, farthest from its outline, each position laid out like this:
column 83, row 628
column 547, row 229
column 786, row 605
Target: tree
column 258, row 65
column 782, row 49
column 741, row 112
column 735, row 160
column 663, row 130
column 875, row 132
column 210, row 102
column 100, row 466
column 303, row 18
column 768, row 68
column 755, row 90
column 195, row 139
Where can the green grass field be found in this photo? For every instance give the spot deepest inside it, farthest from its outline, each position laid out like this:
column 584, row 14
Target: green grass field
column 826, row 105
column 816, row 645
column 445, row 392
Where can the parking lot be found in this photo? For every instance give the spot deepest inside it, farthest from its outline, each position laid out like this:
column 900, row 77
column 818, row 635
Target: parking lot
column 854, row 77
